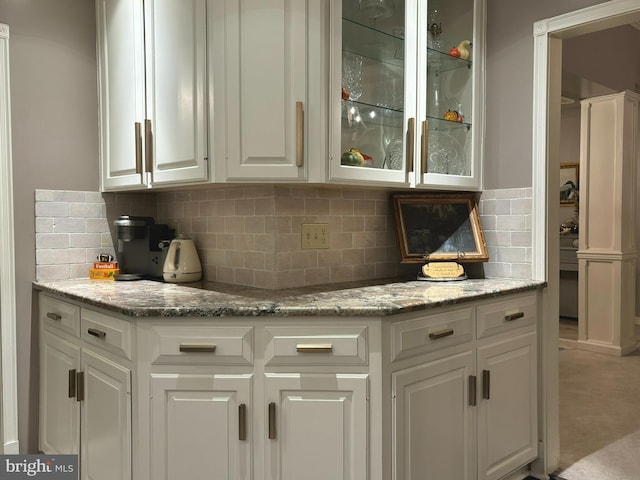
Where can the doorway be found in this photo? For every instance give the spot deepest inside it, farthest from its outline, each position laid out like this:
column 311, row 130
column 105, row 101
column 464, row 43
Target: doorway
column 548, row 37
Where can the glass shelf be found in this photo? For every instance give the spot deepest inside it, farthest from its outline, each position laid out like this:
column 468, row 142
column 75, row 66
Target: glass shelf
column 372, row 43
column 446, row 62
column 367, row 114
column 440, row 124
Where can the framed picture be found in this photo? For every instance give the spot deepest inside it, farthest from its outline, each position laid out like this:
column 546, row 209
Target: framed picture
column 569, row 177
column 439, row 227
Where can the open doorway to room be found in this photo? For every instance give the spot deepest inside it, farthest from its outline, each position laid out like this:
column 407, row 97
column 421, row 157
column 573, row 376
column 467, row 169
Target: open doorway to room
column 605, row 397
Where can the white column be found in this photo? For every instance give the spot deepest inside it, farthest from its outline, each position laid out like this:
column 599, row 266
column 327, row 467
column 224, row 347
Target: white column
column 9, row 429
column 607, row 250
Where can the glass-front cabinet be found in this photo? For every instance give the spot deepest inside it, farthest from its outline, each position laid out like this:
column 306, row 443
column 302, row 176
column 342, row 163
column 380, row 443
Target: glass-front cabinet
column 406, row 92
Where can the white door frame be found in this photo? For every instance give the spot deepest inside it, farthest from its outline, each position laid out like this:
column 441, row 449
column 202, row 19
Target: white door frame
column 548, row 35
column 8, row 380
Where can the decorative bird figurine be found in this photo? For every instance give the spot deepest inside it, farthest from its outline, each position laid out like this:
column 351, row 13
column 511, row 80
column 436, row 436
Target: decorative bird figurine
column 463, row 48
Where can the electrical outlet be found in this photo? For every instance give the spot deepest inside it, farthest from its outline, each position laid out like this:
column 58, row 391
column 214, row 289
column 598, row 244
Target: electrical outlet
column 315, row 235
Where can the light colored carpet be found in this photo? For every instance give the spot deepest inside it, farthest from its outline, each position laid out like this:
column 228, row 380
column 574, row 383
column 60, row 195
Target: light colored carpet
column 617, row 461
column 599, row 416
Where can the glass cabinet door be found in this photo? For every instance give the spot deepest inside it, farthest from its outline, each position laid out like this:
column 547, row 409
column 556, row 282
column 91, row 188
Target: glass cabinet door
column 370, row 142
column 448, row 107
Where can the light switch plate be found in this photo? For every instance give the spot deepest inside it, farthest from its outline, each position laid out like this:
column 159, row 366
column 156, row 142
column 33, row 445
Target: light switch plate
column 315, row 235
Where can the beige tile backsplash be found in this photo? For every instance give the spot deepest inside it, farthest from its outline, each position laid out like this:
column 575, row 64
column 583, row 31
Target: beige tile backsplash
column 251, row 235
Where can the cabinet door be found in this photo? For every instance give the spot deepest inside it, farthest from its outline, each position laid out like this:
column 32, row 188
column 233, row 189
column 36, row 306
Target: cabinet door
column 106, row 419
column 199, row 428
column 177, row 104
column 373, row 107
column 434, row 435
column 450, row 93
column 59, row 409
column 121, row 90
column 259, row 67
column 507, row 412
column 316, row 426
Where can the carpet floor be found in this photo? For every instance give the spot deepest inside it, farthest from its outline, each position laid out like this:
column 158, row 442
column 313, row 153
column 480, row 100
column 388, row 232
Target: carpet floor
column 599, row 416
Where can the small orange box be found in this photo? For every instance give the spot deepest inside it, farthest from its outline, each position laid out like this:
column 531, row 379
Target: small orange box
column 103, row 274
column 105, row 265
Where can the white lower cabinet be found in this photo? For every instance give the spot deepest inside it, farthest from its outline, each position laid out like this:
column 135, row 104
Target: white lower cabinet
column 434, row 423
column 200, row 426
column 469, row 409
column 317, row 426
column 85, row 393
column 449, row 395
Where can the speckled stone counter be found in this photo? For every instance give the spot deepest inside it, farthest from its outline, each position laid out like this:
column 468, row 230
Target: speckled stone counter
column 154, row 299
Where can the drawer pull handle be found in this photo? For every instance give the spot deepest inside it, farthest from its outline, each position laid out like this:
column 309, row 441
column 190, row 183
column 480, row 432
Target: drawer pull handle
column 72, row 383
column 513, row 316
column 441, row 334
column 54, row 316
column 242, row 421
column 195, row 348
column 80, row 386
column 299, row 134
column 486, row 384
column 97, row 333
column 272, row 421
column 472, row 391
column 314, row 347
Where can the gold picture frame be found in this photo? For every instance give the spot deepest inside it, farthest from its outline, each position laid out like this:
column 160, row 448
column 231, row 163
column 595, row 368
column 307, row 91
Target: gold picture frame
column 569, row 183
column 432, row 227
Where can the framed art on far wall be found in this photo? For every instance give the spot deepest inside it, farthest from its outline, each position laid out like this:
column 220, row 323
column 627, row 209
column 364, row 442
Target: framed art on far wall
column 433, row 227
column 569, row 178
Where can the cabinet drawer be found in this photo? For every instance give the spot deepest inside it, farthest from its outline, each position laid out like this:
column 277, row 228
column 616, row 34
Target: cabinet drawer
column 203, row 345
column 58, row 315
column 506, row 315
column 109, row 333
column 332, row 345
column 427, row 334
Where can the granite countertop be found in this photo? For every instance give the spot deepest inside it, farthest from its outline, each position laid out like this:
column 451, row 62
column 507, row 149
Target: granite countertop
column 145, row 298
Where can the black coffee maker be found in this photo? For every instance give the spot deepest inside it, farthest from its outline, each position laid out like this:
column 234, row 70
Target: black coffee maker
column 142, row 247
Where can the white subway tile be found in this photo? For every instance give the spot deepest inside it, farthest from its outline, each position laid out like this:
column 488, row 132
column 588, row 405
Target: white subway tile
column 52, row 240
column 45, row 256
column 497, row 269
column 511, row 254
column 510, row 222
column 521, row 206
column 52, row 272
column 52, row 209
column 68, row 196
column 93, row 197
column 97, row 225
column 85, row 210
column 69, row 225
column 44, row 195
column 521, row 270
column 86, row 240
column 44, row 225
column 487, row 207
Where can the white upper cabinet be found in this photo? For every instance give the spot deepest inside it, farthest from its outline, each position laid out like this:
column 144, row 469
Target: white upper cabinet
column 152, row 87
column 405, row 106
column 262, row 67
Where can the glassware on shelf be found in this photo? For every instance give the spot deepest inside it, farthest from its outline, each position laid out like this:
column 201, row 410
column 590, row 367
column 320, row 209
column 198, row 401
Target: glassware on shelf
column 352, row 74
column 435, row 30
column 445, row 154
column 376, row 9
column 393, row 154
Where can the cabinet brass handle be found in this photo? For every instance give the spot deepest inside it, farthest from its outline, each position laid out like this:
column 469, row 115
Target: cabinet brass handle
column 513, row 316
column 441, row 334
column 472, row 390
column 486, row 384
column 299, row 134
column 242, row 422
column 72, row 383
column 97, row 333
column 197, row 348
column 314, row 347
column 411, row 136
column 54, row 316
column 138, row 133
column 272, row 421
column 148, row 146
column 79, row 386
column 424, row 150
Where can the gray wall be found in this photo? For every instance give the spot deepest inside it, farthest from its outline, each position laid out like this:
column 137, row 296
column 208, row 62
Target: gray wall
column 509, row 84
column 55, row 145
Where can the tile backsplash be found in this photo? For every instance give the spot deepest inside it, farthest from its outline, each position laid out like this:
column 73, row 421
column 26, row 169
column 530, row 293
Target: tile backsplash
column 251, row 235
column 506, row 218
